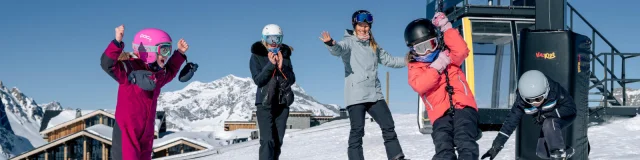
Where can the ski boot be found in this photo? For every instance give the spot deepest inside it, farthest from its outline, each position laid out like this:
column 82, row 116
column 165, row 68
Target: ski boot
column 561, row 154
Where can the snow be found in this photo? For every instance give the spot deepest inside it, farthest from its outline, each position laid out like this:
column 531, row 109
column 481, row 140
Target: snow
column 26, row 130
column 239, row 133
column 329, row 141
column 24, row 117
column 65, row 116
column 101, row 130
column 205, row 106
column 70, row 114
column 205, row 139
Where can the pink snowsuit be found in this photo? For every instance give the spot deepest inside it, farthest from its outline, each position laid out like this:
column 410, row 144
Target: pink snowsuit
column 136, row 108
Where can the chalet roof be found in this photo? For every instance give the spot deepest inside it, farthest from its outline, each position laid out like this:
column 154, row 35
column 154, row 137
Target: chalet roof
column 61, row 141
column 192, row 137
column 104, row 133
column 239, row 122
column 65, row 118
column 57, row 119
column 322, row 117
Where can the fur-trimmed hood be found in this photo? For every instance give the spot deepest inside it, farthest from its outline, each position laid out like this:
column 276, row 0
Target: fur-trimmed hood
column 259, row 49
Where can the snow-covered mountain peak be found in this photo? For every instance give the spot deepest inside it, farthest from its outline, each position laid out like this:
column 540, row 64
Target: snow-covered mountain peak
column 55, row 105
column 24, row 117
column 17, row 93
column 205, row 106
column 232, row 77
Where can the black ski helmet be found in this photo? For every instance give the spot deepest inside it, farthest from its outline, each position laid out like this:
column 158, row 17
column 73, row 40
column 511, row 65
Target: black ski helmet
column 418, row 31
column 353, row 17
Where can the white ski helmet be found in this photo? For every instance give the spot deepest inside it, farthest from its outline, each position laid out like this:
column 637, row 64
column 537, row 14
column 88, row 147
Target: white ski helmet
column 271, row 29
column 272, row 34
column 533, row 86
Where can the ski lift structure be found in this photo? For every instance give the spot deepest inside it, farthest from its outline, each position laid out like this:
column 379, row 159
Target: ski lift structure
column 492, row 30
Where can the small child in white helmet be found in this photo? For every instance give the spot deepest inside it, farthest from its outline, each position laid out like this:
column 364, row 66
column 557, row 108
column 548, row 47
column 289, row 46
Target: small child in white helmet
column 551, row 106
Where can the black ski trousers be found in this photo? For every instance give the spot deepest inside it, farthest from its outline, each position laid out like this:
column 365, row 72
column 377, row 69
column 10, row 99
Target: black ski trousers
column 380, row 112
column 116, row 142
column 272, row 123
column 459, row 131
column 552, row 132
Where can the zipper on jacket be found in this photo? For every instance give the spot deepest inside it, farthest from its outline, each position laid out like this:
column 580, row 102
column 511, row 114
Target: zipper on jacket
column 464, row 86
column 427, row 102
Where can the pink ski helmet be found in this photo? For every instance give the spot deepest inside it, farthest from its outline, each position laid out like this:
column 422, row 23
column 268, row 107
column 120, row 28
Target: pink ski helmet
column 150, row 42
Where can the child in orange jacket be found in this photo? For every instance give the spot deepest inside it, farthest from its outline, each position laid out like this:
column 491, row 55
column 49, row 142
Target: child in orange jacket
column 454, row 116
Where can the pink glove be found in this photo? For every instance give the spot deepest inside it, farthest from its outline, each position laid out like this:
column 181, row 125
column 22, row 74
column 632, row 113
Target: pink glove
column 441, row 21
column 442, row 62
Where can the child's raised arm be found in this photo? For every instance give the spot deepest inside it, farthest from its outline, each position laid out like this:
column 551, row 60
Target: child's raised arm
column 457, row 46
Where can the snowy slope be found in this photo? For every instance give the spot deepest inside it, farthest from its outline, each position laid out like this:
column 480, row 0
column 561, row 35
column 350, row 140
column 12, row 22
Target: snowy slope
column 24, row 116
column 205, row 106
column 329, row 141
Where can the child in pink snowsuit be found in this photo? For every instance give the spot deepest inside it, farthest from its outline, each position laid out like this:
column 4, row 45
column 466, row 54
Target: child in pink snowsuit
column 140, row 76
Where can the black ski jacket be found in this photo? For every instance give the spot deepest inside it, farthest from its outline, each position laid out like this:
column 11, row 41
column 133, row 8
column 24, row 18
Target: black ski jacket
column 262, row 72
column 565, row 108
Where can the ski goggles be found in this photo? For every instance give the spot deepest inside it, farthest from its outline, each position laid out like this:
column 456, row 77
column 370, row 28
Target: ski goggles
column 429, row 58
column 423, row 48
column 537, row 99
column 272, row 39
column 163, row 49
column 364, row 17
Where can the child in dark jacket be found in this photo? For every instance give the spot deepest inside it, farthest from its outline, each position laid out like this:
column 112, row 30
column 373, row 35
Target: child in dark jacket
column 140, row 76
column 551, row 106
column 272, row 72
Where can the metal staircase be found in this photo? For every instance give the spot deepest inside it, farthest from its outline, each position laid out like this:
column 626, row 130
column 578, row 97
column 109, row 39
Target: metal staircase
column 608, row 104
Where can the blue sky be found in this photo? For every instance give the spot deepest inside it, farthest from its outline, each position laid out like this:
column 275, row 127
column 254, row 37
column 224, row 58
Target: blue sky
column 52, row 48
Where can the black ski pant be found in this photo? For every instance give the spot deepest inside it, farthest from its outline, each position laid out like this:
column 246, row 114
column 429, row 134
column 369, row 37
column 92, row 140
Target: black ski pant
column 116, row 142
column 272, row 122
column 459, row 131
column 552, row 132
column 380, row 112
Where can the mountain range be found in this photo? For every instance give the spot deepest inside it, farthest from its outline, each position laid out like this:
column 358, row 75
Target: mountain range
column 205, row 106
column 20, row 118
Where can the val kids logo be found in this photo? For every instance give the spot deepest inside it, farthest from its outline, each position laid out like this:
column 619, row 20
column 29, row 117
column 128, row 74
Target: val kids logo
column 579, row 57
column 145, row 37
column 551, row 55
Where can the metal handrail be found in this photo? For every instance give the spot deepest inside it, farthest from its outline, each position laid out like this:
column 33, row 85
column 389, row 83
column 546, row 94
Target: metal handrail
column 608, row 70
column 573, row 10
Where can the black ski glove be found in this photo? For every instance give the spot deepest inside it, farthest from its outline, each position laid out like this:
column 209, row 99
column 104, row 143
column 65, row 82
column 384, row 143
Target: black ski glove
column 187, row 72
column 492, row 152
column 496, row 147
column 142, row 79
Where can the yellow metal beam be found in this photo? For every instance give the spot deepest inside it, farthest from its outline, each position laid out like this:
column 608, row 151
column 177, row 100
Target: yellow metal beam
column 469, row 66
